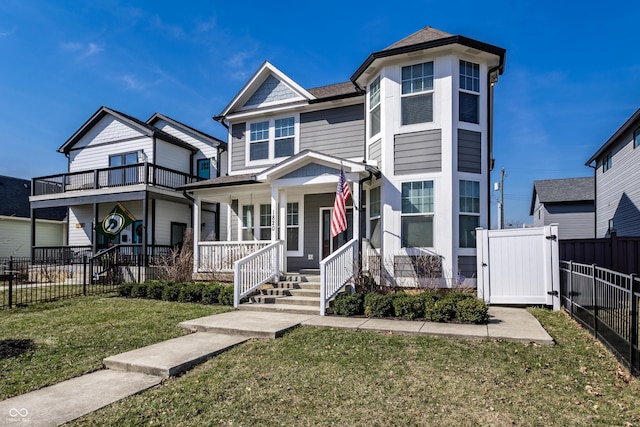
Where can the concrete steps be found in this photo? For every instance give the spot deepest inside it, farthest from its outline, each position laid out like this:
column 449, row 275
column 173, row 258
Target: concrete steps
column 294, row 293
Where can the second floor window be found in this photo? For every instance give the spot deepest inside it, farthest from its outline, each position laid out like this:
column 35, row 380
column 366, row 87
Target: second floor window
column 469, row 89
column 374, row 107
column 272, row 139
column 607, row 162
column 417, row 94
column 636, row 138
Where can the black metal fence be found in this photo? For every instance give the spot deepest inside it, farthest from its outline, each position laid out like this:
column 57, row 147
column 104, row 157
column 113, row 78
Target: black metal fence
column 66, row 272
column 605, row 302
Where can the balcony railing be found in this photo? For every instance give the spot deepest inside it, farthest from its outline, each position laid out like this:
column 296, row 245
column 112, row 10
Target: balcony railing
column 119, row 176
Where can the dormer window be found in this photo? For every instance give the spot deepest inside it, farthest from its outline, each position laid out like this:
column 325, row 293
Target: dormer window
column 272, row 139
column 417, row 93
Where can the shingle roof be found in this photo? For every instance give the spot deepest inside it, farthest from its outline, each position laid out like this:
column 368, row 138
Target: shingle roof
column 335, row 90
column 222, row 181
column 426, row 34
column 15, row 192
column 565, row 190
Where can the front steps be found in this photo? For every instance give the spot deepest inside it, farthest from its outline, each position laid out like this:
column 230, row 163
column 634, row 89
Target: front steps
column 296, row 293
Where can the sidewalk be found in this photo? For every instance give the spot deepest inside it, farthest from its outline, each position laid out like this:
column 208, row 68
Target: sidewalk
column 137, row 370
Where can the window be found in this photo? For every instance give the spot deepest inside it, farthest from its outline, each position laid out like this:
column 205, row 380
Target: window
column 469, row 103
column 272, row 139
column 374, row 107
column 610, row 226
column 417, row 94
column 607, row 162
column 123, row 175
column 265, row 222
column 417, row 214
column 469, row 204
column 247, row 223
column 636, row 138
column 204, row 168
column 178, row 230
column 293, row 226
column 374, row 218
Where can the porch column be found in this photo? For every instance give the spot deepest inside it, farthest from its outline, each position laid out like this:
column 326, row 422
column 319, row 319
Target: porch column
column 274, row 214
column 196, row 232
column 283, row 229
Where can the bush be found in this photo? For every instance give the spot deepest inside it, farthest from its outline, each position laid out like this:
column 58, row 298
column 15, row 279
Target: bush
column 190, row 292
column 155, row 289
column 124, row 290
column 210, row 293
column 171, row 292
column 346, row 304
column 472, row 310
column 440, row 311
column 378, row 305
column 408, row 306
column 226, row 295
column 139, row 290
column 455, row 296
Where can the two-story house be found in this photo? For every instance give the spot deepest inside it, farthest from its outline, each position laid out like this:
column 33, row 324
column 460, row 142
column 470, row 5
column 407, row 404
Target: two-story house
column 412, row 130
column 115, row 158
column 616, row 174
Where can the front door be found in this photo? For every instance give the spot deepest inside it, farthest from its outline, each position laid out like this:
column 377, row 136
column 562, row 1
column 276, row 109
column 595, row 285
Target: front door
column 328, row 245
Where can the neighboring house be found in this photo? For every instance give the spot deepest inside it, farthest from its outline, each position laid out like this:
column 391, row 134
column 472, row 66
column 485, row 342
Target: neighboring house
column 412, row 130
column 15, row 220
column 115, row 158
column 566, row 202
column 617, row 175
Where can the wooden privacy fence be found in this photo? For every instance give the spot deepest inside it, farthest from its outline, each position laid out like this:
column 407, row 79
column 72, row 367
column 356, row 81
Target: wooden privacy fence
column 518, row 266
column 615, row 253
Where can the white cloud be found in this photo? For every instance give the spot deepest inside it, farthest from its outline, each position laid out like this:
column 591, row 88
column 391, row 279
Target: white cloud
column 132, row 82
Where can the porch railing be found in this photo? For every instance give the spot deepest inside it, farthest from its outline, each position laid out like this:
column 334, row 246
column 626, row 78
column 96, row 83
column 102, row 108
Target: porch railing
column 220, row 256
column 254, row 270
column 336, row 270
column 120, row 176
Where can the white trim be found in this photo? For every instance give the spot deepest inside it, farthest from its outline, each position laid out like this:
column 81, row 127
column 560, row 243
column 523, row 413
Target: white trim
column 271, row 141
column 300, row 202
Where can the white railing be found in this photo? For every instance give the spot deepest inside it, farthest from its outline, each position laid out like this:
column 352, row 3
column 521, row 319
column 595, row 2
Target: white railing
column 254, row 270
column 336, row 270
column 214, row 257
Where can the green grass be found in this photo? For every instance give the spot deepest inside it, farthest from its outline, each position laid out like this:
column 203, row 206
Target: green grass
column 67, row 338
column 321, row 376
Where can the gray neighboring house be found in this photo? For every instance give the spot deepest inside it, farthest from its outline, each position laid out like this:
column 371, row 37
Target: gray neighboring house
column 568, row 202
column 617, row 177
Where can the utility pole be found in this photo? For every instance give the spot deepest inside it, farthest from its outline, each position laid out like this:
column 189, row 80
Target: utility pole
column 496, row 187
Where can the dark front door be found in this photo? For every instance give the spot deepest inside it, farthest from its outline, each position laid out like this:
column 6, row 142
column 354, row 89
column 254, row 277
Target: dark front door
column 328, row 244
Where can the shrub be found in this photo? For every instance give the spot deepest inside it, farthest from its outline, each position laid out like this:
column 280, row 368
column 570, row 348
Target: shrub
column 124, row 290
column 190, row 292
column 346, row 304
column 171, row 292
column 226, row 295
column 139, row 290
column 210, row 293
column 455, row 296
column 155, row 288
column 378, row 305
column 408, row 306
column 472, row 310
column 440, row 311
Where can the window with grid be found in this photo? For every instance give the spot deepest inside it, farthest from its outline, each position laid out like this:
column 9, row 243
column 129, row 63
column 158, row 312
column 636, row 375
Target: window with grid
column 469, row 101
column 293, row 226
column 374, row 217
column 272, row 139
column 259, row 141
column 265, row 222
column 417, row 93
column 374, row 107
column 248, row 223
column 417, row 214
column 470, row 205
column 284, row 133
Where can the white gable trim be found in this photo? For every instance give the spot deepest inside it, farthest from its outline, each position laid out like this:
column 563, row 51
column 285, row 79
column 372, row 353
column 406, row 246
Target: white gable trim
column 267, row 69
column 304, row 158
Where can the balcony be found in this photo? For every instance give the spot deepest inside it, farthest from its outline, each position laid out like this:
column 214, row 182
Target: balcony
column 115, row 177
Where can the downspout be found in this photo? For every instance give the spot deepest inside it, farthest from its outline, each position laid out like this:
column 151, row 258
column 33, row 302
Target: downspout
column 595, row 200
column 490, row 159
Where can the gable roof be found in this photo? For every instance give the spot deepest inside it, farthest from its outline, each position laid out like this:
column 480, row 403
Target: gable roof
column 144, row 128
column 15, row 192
column 211, row 139
column 335, row 91
column 565, row 190
column 429, row 38
column 634, row 120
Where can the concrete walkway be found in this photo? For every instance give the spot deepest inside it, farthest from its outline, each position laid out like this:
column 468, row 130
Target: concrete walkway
column 137, row 370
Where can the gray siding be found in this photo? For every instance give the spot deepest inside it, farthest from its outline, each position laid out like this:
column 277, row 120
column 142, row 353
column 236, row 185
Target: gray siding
column 312, row 205
column 338, row 132
column 617, row 190
column 312, row 169
column 469, row 151
column 270, row 91
column 234, row 220
column 238, row 141
column 418, row 152
column 375, row 152
column 575, row 220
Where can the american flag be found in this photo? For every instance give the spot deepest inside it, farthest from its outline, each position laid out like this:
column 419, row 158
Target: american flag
column 339, row 216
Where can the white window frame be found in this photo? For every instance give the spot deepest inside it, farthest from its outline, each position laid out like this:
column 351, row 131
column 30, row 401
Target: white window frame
column 423, row 92
column 271, row 158
column 259, row 222
column 419, row 214
column 243, row 225
column 374, row 98
column 473, row 212
column 377, row 216
column 471, row 91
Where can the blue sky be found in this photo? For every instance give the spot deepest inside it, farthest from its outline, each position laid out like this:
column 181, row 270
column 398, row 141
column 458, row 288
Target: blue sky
column 572, row 71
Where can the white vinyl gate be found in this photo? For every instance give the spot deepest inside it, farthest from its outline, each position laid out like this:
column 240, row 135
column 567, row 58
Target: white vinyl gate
column 519, row 266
